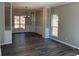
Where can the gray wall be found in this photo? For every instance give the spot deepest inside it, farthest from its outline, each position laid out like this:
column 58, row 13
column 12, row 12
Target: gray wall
column 68, row 23
column 1, row 23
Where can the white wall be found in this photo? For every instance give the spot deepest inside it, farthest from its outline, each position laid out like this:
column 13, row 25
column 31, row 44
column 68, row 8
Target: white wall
column 1, row 23
column 39, row 29
column 7, row 37
column 7, row 32
column 68, row 23
column 0, row 51
column 39, row 21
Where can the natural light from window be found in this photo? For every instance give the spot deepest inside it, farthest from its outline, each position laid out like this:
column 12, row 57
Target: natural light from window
column 54, row 25
column 19, row 22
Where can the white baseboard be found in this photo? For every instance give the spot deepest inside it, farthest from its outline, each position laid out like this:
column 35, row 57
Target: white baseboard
column 66, row 43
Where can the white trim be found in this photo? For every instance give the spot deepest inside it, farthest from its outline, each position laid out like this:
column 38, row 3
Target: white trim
column 0, row 51
column 6, row 43
column 65, row 43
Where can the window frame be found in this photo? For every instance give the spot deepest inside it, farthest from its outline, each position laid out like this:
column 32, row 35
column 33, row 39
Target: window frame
column 20, row 24
column 54, row 27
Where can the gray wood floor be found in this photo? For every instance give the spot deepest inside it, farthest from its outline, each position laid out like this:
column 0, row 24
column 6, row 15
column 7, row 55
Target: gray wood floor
column 32, row 44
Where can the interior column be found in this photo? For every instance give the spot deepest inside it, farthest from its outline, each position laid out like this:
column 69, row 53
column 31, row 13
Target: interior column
column 46, row 22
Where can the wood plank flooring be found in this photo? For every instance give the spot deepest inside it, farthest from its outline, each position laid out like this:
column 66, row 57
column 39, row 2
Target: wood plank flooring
column 32, row 44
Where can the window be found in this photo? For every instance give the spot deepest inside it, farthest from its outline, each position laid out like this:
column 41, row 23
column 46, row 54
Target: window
column 19, row 22
column 54, row 25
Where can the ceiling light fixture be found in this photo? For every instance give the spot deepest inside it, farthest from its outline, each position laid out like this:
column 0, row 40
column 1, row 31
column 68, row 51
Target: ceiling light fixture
column 27, row 13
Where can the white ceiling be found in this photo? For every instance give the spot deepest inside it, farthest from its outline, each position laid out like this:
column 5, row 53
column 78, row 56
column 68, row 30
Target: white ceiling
column 36, row 5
